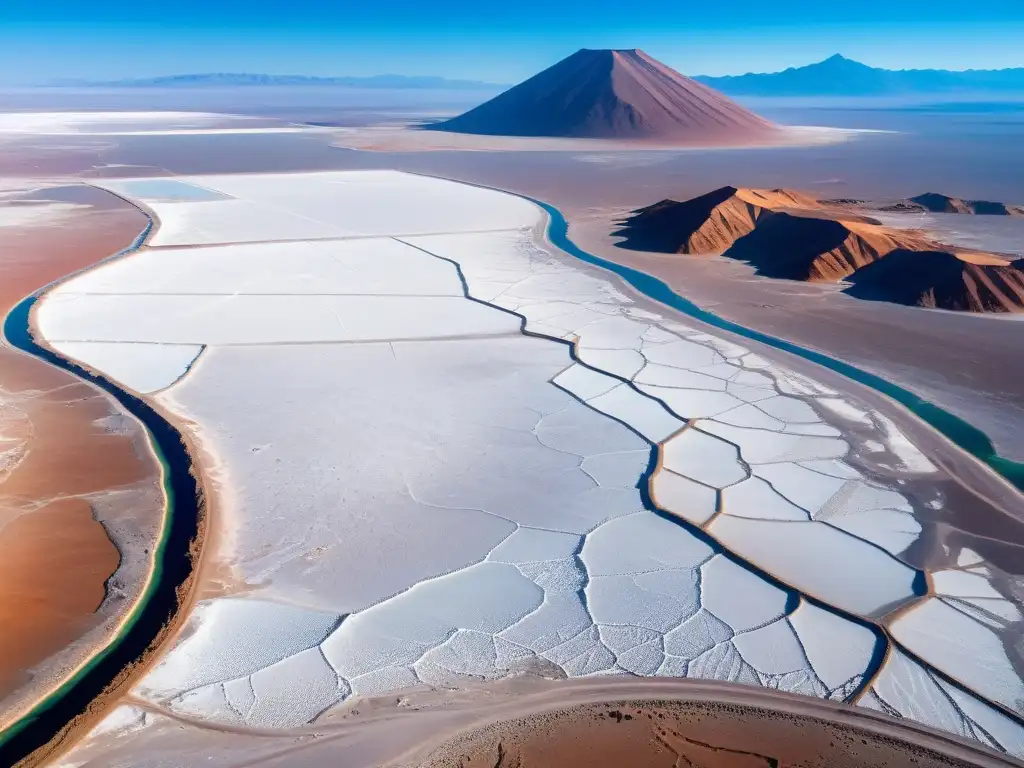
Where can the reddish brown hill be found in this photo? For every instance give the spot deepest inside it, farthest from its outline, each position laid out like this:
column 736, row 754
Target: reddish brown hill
column 614, row 94
column 940, row 279
column 785, row 234
column 710, row 223
column 817, row 249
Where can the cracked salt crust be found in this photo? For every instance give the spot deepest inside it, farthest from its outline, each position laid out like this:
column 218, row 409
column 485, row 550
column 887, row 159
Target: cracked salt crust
column 467, row 504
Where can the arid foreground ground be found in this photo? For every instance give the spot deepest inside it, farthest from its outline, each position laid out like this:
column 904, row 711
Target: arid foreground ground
column 80, row 500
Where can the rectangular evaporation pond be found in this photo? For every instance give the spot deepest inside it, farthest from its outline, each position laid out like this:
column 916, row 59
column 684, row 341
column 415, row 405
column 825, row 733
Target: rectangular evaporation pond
column 167, row 191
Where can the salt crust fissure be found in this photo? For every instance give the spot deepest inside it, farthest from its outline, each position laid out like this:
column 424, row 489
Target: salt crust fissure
column 470, row 506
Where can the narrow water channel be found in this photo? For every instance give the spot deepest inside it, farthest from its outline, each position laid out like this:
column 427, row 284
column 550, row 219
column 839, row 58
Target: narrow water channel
column 158, row 604
column 966, row 436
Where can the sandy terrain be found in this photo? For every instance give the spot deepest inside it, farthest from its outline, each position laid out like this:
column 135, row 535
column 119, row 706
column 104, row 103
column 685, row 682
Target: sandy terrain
column 79, row 478
column 667, row 734
column 621, row 94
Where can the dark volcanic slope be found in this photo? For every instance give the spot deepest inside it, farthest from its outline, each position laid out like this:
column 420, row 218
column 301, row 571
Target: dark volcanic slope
column 613, row 94
column 940, row 279
column 933, row 201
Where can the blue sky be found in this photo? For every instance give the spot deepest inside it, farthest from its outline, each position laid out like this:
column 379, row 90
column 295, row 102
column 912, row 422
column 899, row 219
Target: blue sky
column 41, row 40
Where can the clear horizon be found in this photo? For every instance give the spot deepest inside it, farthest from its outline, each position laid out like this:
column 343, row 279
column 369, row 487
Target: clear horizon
column 116, row 39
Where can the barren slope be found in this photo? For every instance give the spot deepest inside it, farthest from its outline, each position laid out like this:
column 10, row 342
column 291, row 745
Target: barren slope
column 785, row 234
column 614, row 94
column 944, row 280
column 794, row 247
column 710, row 223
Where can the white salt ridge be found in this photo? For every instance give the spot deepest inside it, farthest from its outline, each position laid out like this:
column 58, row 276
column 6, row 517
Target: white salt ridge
column 963, row 648
column 294, row 691
column 400, row 630
column 960, row 584
column 739, row 598
column 345, row 267
column 756, row 499
column 837, row 649
column 232, row 637
column 657, row 600
column 704, row 458
column 683, row 497
column 692, row 403
column 968, row 557
column 845, row 409
column 761, row 447
column 833, row 566
column 648, row 418
column 772, row 650
column 585, row 382
column 143, row 368
column 123, row 719
column 332, row 204
column 528, row 544
column 911, row 691
column 256, row 319
column 642, row 543
column 909, row 455
column 617, row 470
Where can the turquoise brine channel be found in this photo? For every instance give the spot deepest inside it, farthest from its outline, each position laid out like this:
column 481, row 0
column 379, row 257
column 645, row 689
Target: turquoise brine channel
column 158, row 605
column 958, row 431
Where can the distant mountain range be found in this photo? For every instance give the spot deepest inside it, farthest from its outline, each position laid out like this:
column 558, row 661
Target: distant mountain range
column 233, row 79
column 839, row 76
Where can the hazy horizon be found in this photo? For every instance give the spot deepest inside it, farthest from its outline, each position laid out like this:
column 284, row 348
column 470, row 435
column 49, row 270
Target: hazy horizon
column 115, row 39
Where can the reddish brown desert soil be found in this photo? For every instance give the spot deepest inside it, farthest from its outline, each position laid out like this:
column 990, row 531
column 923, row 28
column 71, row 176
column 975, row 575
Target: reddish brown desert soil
column 55, row 562
column 621, row 94
column 549, row 724
column 71, row 442
column 789, row 235
column 645, row 734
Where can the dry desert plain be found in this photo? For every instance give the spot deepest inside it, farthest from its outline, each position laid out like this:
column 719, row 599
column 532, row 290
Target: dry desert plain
column 376, row 365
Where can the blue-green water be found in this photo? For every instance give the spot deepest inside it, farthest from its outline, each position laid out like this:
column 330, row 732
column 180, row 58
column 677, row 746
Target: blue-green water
column 172, row 566
column 966, row 436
